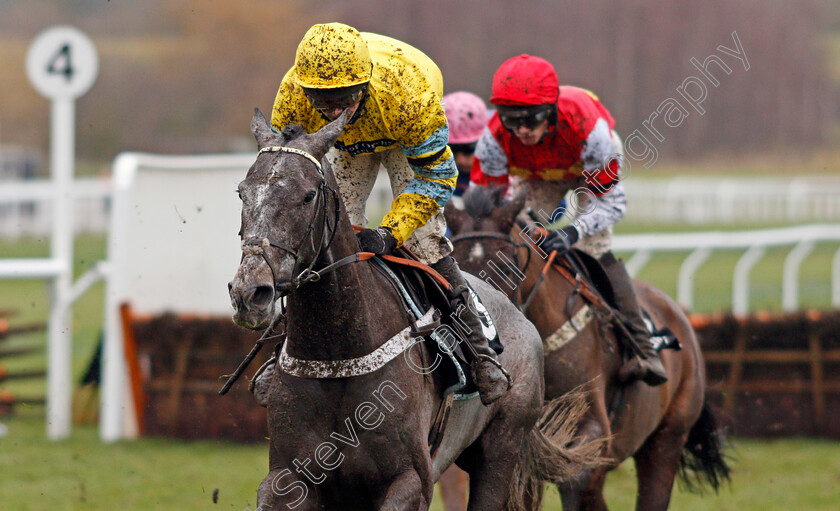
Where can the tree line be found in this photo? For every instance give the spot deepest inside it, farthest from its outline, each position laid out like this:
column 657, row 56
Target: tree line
column 183, row 75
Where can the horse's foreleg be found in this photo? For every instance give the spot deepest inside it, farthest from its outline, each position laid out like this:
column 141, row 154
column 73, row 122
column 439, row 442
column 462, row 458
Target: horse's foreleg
column 407, row 492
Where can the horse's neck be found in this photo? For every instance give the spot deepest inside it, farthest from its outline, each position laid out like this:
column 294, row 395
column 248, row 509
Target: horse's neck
column 553, row 287
column 535, row 267
column 548, row 308
column 341, row 315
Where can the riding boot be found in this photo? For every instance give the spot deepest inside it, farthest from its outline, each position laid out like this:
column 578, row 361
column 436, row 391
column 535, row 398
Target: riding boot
column 645, row 364
column 490, row 378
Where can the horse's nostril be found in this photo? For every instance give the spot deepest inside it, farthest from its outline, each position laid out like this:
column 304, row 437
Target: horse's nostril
column 261, row 297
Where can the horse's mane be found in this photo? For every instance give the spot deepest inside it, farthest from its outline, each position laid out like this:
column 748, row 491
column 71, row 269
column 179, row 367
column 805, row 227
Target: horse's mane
column 480, row 201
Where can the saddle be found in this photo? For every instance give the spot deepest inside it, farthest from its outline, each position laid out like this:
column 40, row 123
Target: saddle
column 422, row 289
column 593, row 285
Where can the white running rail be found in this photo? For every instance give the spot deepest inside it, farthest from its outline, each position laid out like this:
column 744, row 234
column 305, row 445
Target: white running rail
column 747, row 200
column 25, row 205
column 701, row 245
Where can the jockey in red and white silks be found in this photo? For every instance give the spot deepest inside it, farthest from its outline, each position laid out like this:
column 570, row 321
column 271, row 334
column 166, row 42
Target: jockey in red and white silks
column 556, row 139
column 579, row 149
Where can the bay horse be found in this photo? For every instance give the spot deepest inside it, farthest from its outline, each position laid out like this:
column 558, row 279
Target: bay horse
column 349, row 413
column 668, row 429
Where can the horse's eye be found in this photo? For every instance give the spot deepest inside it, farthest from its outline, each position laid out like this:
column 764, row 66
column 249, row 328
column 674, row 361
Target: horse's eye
column 309, row 197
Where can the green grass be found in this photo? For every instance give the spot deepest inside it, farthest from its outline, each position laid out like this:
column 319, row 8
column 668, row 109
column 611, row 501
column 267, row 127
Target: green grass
column 83, row 474
column 30, row 300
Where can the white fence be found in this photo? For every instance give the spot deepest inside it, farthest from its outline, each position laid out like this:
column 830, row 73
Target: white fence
column 25, row 205
column 711, row 200
column 755, row 243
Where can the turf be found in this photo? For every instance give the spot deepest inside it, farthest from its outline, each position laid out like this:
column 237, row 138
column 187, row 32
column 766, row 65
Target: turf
column 83, row 474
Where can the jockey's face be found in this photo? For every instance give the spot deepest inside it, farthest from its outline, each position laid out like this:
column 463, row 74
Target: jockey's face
column 331, row 102
column 531, row 136
column 336, row 112
column 528, row 123
column 464, row 155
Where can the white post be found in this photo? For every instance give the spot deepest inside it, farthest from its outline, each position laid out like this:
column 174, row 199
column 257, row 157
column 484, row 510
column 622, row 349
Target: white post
column 741, row 280
column 790, row 275
column 685, row 278
column 111, row 427
column 59, row 357
column 62, row 64
column 637, row 262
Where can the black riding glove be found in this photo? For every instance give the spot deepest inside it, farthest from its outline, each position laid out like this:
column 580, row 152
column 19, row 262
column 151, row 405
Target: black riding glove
column 560, row 240
column 380, row 241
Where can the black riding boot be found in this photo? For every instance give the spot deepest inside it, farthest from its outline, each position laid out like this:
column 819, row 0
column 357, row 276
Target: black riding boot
column 491, row 380
column 645, row 364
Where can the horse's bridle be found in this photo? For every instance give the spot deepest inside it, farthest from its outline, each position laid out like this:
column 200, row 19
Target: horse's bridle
column 258, row 245
column 478, row 235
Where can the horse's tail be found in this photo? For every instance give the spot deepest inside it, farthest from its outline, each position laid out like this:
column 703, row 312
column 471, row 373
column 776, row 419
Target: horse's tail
column 703, row 460
column 552, row 452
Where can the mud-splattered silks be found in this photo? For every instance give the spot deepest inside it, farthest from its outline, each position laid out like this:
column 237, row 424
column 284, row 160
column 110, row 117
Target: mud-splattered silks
column 403, row 112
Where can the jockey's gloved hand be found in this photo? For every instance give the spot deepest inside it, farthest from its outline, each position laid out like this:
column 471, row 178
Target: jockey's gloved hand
column 560, row 240
column 380, row 241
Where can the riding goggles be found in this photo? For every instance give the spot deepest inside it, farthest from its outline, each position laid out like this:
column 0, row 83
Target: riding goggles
column 463, row 148
column 328, row 100
column 530, row 118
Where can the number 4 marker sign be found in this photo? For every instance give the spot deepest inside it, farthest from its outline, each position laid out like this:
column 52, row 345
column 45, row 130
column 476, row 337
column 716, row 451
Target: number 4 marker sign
column 62, row 63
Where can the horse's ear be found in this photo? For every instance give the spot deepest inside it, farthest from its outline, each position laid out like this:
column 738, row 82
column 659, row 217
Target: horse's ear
column 325, row 137
column 507, row 213
column 454, row 217
column 261, row 129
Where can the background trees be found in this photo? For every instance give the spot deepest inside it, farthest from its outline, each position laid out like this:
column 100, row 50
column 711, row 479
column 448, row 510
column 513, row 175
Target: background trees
column 183, row 75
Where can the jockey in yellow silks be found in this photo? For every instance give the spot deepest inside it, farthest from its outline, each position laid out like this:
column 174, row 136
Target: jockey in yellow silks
column 392, row 93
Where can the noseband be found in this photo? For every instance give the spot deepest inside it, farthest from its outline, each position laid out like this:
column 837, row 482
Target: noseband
column 258, row 245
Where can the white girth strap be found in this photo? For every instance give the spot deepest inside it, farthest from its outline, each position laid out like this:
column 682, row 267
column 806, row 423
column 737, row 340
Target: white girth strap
column 567, row 332
column 353, row 366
